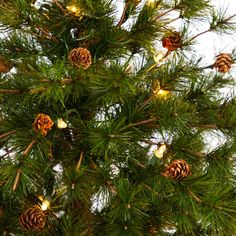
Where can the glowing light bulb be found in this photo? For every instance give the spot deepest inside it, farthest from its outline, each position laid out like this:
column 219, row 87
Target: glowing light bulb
column 161, row 93
column 61, row 124
column 150, row 2
column 160, row 151
column 45, row 205
column 74, row 9
column 159, row 57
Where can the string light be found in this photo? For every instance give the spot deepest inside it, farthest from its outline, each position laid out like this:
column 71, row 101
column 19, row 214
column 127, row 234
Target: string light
column 160, row 93
column 160, row 151
column 45, row 205
column 74, row 9
column 61, row 124
column 150, row 2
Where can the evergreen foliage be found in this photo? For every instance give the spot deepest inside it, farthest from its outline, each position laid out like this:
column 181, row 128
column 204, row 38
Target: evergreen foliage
column 100, row 172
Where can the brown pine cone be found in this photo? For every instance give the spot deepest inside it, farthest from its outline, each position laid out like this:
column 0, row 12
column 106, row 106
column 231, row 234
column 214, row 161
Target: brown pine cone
column 223, row 62
column 172, row 41
column 42, row 123
column 80, row 57
column 177, row 170
column 4, row 67
column 32, row 219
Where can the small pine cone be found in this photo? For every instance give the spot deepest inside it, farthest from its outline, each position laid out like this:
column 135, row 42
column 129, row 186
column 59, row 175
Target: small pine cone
column 32, row 219
column 177, row 170
column 172, row 41
column 223, row 62
column 4, row 67
column 43, row 123
column 80, row 57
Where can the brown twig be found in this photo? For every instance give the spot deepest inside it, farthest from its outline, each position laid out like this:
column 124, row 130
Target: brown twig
column 47, row 34
column 59, row 5
column 140, row 123
column 196, row 198
column 79, row 162
column 192, row 153
column 210, row 126
column 9, row 91
column 164, row 13
column 150, row 189
column 17, row 179
column 206, row 31
column 230, row 17
column 27, row 150
column 225, row 20
column 122, row 16
column 63, row 81
column 140, row 165
column 6, row 134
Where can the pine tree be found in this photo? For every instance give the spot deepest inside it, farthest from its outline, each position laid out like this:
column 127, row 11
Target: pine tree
column 104, row 120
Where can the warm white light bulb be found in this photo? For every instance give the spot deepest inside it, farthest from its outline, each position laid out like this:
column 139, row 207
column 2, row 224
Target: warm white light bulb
column 150, row 2
column 61, row 124
column 162, row 93
column 74, row 9
column 160, row 151
column 45, row 205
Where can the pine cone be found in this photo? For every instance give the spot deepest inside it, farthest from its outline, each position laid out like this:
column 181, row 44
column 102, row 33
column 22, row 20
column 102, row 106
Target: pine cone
column 4, row 67
column 223, row 62
column 80, row 57
column 32, row 219
column 177, row 170
column 172, row 41
column 43, row 123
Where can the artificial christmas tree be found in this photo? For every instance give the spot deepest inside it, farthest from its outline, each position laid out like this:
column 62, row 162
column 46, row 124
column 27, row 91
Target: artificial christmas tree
column 105, row 113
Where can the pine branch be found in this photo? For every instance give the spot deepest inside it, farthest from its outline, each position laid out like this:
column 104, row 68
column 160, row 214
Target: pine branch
column 9, row 91
column 195, row 197
column 210, row 126
column 29, row 147
column 59, row 5
column 17, row 180
column 46, row 34
column 123, row 15
column 199, row 34
column 139, row 123
column 192, row 153
column 79, row 162
column 164, row 13
column 7, row 134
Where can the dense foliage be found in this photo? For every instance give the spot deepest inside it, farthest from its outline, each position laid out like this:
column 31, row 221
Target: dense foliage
column 94, row 131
